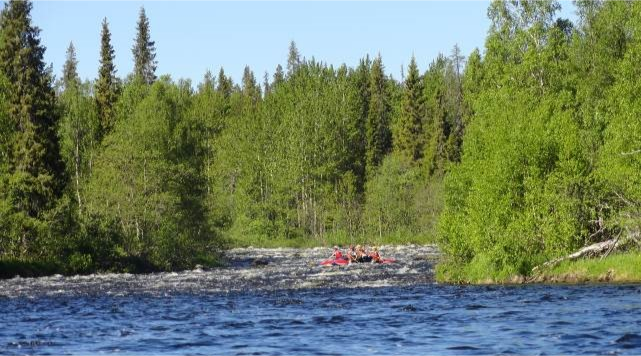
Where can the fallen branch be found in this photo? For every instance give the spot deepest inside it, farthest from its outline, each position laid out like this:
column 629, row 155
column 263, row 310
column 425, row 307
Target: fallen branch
column 592, row 250
column 624, row 199
column 630, row 153
column 616, row 240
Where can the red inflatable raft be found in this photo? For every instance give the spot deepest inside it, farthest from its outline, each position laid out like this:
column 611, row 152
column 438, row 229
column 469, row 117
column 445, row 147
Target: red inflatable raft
column 343, row 262
column 334, row 262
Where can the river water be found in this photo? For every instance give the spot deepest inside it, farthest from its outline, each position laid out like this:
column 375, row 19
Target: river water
column 293, row 306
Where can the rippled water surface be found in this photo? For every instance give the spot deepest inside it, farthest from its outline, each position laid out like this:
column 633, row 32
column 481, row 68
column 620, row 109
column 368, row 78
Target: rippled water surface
column 300, row 308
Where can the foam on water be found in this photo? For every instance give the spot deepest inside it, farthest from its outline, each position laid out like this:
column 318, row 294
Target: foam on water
column 248, row 269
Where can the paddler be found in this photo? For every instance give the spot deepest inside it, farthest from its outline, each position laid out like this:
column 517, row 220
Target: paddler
column 337, row 255
column 351, row 254
column 361, row 255
column 376, row 257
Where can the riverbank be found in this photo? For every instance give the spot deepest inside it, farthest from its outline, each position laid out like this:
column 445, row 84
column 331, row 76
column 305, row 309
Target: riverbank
column 248, row 269
column 616, row 268
column 30, row 268
column 420, row 258
column 399, row 238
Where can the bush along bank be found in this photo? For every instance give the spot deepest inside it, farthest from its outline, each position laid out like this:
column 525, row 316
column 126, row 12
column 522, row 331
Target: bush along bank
column 551, row 160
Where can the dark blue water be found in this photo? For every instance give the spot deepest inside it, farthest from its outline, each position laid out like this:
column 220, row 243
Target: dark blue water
column 426, row 319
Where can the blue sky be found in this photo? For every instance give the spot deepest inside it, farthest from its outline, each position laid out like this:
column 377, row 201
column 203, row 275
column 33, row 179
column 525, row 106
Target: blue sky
column 193, row 36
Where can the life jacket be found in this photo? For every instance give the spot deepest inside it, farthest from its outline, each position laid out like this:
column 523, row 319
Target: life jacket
column 338, row 254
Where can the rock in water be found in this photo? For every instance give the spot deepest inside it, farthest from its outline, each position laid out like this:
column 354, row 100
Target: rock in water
column 258, row 262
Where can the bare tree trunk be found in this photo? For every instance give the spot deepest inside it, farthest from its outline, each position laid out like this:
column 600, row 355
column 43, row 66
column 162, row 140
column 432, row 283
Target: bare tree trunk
column 77, row 161
column 23, row 243
column 380, row 225
column 594, row 249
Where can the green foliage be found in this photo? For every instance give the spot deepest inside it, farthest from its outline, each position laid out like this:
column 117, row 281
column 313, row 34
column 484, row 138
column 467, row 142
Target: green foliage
column 622, row 267
column 400, row 199
column 70, row 76
column 293, row 59
column 33, row 171
column 79, row 131
column 547, row 158
column 151, row 165
column 409, row 135
column 279, row 76
column 10, row 268
column 360, row 90
column 290, row 155
column 250, row 87
column 619, row 161
column 144, row 51
column 225, row 84
column 377, row 127
column 522, row 155
column 106, row 86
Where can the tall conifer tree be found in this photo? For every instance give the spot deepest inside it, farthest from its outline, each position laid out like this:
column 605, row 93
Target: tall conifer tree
column 250, row 87
column 70, row 76
column 225, row 84
column 408, row 140
column 78, row 125
column 266, row 86
column 360, row 81
column 378, row 118
column 455, row 139
column 293, row 59
column 107, row 83
column 436, row 124
column 144, row 51
column 209, row 83
column 279, row 76
column 35, row 169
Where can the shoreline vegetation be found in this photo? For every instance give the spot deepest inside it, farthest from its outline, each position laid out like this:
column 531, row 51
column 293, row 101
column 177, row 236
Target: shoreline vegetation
column 624, row 267
column 507, row 158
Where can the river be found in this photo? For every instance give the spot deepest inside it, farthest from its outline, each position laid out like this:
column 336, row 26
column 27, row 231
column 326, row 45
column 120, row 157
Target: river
column 279, row 301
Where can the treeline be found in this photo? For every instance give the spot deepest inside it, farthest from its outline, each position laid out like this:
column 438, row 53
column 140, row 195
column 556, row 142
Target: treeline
column 507, row 158
column 144, row 173
column 552, row 154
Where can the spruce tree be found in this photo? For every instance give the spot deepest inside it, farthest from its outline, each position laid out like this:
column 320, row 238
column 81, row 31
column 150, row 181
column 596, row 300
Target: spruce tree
column 378, row 118
column 293, row 59
column 144, row 51
column 279, row 76
column 249, row 86
column 436, row 124
column 106, row 90
column 266, row 86
column 70, row 76
column 471, row 84
column 225, row 84
column 35, row 169
column 455, row 138
column 408, row 140
column 209, row 83
column 360, row 79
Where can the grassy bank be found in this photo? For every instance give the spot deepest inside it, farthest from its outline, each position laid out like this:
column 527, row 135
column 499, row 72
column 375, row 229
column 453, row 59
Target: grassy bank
column 623, row 267
column 618, row 268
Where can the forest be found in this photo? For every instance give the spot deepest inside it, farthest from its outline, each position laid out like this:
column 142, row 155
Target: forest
column 517, row 153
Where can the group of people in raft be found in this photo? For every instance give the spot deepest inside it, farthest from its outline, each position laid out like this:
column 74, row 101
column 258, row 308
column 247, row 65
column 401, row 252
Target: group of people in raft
column 357, row 254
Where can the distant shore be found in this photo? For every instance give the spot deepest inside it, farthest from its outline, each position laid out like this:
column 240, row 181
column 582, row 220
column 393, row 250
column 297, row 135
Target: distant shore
column 617, row 268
